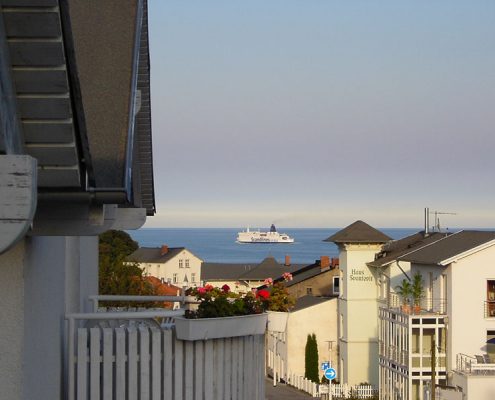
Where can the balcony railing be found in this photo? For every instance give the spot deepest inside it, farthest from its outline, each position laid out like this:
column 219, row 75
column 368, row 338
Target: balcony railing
column 475, row 365
column 137, row 354
column 393, row 353
column 426, row 305
column 489, row 309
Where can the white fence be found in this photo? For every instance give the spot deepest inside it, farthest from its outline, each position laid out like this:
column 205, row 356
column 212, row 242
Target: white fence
column 147, row 362
column 303, row 384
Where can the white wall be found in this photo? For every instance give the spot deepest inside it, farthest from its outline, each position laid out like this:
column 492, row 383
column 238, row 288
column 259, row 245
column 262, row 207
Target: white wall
column 468, row 281
column 320, row 319
column 476, row 387
column 167, row 270
column 359, row 306
column 11, row 321
column 43, row 278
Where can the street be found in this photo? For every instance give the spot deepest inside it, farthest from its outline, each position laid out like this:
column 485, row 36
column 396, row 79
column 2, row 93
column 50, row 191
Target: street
column 283, row 392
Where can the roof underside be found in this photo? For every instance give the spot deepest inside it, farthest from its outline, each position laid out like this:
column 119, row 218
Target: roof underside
column 358, row 232
column 450, row 247
column 81, row 72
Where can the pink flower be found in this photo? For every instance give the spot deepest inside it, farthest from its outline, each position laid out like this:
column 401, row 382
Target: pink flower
column 201, row 290
column 209, row 288
column 287, row 276
column 226, row 288
column 264, row 294
column 268, row 282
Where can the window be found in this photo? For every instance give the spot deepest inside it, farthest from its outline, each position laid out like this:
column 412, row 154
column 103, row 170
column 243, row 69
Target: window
column 174, row 279
column 490, row 345
column 187, row 262
column 490, row 297
column 193, row 277
column 181, row 263
column 336, row 285
column 309, row 291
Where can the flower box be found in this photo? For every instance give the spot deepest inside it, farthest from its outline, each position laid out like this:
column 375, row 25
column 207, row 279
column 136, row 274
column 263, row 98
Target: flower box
column 215, row 328
column 277, row 321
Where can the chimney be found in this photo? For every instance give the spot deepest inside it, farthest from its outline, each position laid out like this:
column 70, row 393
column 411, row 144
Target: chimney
column 287, row 261
column 164, row 250
column 324, row 262
column 334, row 263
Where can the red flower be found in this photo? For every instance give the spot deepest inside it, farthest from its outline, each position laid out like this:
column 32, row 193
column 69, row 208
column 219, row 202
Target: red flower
column 264, row 294
column 209, row 288
column 201, row 290
column 226, row 288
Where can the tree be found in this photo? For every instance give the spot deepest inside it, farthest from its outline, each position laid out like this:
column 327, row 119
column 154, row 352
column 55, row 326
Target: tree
column 311, row 359
column 115, row 275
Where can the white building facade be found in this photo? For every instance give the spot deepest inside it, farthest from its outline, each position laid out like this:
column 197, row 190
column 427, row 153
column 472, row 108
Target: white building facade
column 449, row 335
column 176, row 265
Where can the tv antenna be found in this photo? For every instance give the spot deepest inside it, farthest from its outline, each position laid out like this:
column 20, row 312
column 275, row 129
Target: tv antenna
column 437, row 218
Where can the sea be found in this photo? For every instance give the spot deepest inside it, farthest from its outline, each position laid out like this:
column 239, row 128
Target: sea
column 219, row 244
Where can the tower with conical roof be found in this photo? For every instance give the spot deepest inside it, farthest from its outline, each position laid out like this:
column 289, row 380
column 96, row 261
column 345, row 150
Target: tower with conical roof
column 358, row 303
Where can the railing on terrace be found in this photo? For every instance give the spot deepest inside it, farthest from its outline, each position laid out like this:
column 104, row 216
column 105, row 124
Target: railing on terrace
column 489, row 309
column 425, row 306
column 136, row 355
column 393, row 353
column 182, row 300
column 475, row 365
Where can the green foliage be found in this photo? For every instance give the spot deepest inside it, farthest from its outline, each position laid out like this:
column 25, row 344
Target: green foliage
column 417, row 290
column 115, row 275
column 311, row 359
column 215, row 302
column 280, row 299
column 404, row 290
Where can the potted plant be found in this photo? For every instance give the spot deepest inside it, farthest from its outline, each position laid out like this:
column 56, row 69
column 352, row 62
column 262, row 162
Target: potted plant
column 221, row 313
column 404, row 291
column 277, row 302
column 417, row 292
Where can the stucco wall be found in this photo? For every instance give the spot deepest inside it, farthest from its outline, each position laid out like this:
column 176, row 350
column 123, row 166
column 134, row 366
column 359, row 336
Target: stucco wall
column 468, row 282
column 359, row 308
column 167, row 270
column 321, row 285
column 43, row 278
column 320, row 319
column 476, row 387
column 11, row 322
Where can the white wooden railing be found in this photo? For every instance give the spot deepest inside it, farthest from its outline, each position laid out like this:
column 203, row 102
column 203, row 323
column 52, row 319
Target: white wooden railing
column 128, row 355
column 344, row 391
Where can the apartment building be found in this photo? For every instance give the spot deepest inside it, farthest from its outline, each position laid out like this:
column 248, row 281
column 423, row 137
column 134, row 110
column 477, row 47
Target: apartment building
column 445, row 338
column 450, row 333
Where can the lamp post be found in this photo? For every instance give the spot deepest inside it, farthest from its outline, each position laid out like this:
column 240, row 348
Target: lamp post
column 330, row 348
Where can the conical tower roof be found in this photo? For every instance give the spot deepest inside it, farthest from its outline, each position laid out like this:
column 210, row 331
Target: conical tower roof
column 358, row 232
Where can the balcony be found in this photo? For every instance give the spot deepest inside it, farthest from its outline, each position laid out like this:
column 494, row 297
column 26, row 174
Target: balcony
column 426, row 305
column 116, row 353
column 475, row 365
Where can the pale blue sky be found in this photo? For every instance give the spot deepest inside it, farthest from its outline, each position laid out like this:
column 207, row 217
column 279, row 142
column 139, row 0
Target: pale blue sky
column 317, row 113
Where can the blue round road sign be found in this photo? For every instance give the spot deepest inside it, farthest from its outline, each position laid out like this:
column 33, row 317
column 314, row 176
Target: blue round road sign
column 330, row 374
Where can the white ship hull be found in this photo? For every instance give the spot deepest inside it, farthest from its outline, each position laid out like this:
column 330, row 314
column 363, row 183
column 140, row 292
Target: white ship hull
column 273, row 236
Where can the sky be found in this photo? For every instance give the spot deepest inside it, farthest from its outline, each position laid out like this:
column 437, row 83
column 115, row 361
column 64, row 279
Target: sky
column 317, row 113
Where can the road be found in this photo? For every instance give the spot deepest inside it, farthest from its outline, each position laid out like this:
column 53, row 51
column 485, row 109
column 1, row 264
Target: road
column 283, row 392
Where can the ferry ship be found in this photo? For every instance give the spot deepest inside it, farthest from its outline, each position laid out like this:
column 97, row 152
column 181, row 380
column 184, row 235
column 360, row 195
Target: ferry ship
column 258, row 236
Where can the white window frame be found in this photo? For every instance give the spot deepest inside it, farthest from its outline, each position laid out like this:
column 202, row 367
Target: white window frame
column 187, row 263
column 181, row 263
column 174, row 278
column 336, row 292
